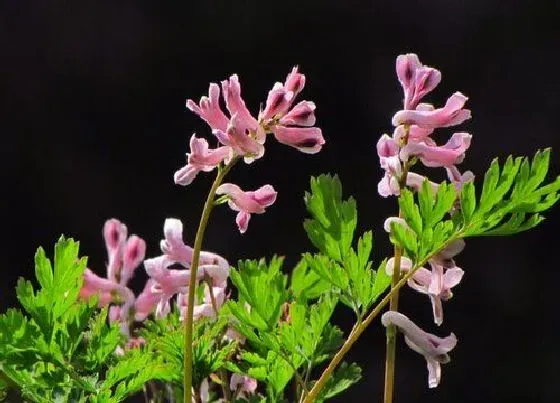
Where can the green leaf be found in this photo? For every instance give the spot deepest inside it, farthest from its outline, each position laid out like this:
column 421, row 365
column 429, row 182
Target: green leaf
column 468, row 201
column 306, row 283
column 331, row 228
column 263, row 287
column 344, row 377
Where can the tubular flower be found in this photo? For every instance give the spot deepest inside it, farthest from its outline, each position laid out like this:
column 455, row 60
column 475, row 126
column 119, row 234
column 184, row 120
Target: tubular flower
column 247, row 203
column 431, row 155
column 434, row 349
column 451, row 114
column 416, row 79
column 200, row 159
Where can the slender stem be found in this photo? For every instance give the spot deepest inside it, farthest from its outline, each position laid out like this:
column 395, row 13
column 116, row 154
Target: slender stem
column 221, row 372
column 187, row 362
column 356, row 332
column 391, row 332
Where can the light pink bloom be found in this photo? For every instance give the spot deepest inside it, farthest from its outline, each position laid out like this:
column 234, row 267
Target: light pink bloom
column 243, row 385
column 457, row 178
column 167, row 282
column 308, row 140
column 295, row 81
column 124, row 255
column 235, row 105
column 431, row 155
column 93, row 284
column 437, row 285
column 201, row 158
column 277, row 103
column 434, row 349
column 417, row 80
column 303, row 114
column 241, row 139
column 146, row 302
column 247, row 203
column 114, row 233
column 176, row 251
column 415, row 181
column 134, row 253
column 388, row 186
column 209, row 109
column 450, row 115
column 388, row 152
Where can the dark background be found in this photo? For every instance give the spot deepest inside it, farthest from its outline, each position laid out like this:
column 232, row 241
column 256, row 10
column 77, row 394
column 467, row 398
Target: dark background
column 93, row 125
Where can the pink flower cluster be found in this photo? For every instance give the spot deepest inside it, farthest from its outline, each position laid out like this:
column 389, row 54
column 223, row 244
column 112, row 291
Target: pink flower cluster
column 125, row 255
column 412, row 141
column 414, row 126
column 240, row 134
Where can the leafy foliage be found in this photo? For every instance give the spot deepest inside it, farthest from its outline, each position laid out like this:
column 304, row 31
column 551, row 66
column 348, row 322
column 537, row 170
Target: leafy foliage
column 331, row 229
column 61, row 348
column 511, row 201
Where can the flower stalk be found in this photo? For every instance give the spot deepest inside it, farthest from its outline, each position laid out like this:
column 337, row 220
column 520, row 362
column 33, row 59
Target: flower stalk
column 208, row 205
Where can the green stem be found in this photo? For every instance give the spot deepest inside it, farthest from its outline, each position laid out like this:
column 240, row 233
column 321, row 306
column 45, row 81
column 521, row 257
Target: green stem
column 187, row 362
column 359, row 328
column 391, row 332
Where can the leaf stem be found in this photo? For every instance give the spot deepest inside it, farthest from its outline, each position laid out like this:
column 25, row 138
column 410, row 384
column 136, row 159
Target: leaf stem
column 187, row 361
column 359, row 328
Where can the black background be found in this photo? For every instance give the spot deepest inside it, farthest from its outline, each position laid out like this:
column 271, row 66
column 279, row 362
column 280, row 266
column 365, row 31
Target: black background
column 93, row 125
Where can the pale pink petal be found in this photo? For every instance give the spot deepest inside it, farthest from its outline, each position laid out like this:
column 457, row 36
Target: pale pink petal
column 452, row 277
column 295, row 81
column 185, row 175
column 235, row 104
column 278, row 101
column 306, row 139
column 303, row 114
column 437, row 309
column 434, row 373
column 114, row 233
column 242, row 221
column 214, row 266
column 388, row 186
column 209, row 109
column 433, row 156
column 450, row 115
column 415, row 181
column 134, row 253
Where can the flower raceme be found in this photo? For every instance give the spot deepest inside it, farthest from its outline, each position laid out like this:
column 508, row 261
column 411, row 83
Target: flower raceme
column 245, row 135
column 434, row 349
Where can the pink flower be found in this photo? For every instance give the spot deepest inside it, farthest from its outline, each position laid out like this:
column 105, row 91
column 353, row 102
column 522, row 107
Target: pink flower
column 242, row 385
column 107, row 290
column 277, row 102
column 437, row 285
column 166, row 282
column 124, row 255
column 235, row 105
column 209, row 109
column 247, row 203
column 295, row 81
column 450, row 115
column 458, row 178
column 241, row 139
column 308, row 140
column 146, row 302
column 431, row 155
column 434, row 349
column 114, row 233
column 388, row 152
column 201, row 158
column 417, row 80
column 176, row 251
column 303, row 114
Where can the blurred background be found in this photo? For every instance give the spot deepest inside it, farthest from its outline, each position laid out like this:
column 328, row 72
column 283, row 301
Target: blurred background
column 93, row 126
